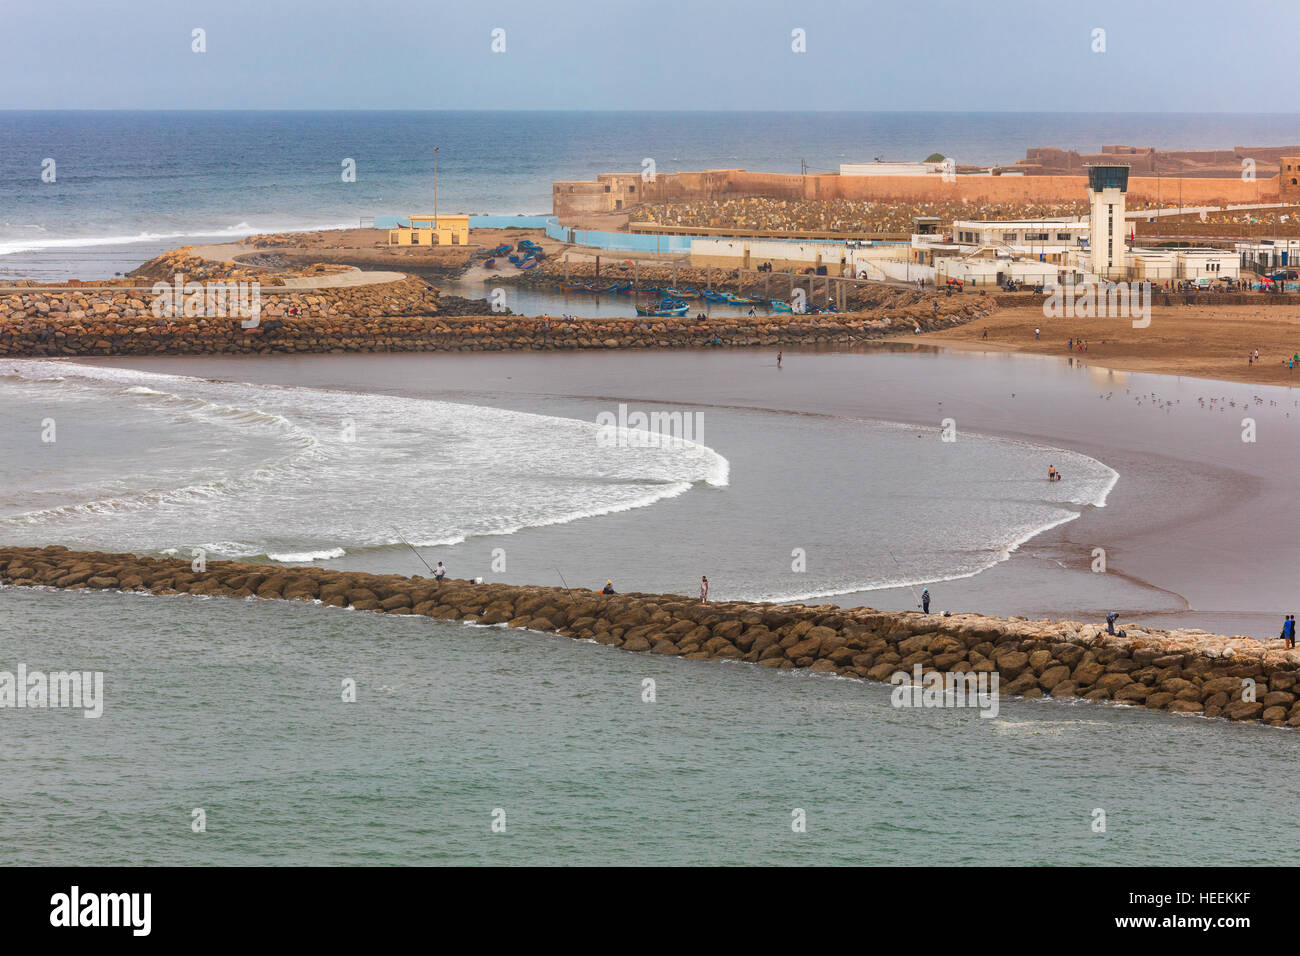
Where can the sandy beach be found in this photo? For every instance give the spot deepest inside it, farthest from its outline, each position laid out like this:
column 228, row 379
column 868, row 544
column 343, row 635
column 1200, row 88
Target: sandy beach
column 1199, row 341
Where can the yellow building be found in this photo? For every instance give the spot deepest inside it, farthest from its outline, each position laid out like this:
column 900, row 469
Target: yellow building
column 452, row 230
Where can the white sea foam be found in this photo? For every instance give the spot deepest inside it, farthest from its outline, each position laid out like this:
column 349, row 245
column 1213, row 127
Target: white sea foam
column 298, row 557
column 237, row 231
column 299, row 474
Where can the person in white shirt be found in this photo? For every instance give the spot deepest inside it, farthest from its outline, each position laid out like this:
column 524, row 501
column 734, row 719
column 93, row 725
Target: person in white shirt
column 439, row 572
column 704, row 589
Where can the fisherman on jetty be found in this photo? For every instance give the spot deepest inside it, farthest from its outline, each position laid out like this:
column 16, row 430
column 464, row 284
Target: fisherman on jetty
column 439, row 572
column 925, row 600
column 1110, row 621
column 1288, row 631
column 608, row 588
column 704, row 589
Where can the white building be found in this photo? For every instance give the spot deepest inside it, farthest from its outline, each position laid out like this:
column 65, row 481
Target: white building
column 893, row 169
column 1050, row 238
column 1106, row 188
column 1172, row 265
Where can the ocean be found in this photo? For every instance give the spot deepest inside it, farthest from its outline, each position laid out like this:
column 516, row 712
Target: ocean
column 236, row 709
column 828, row 480
column 129, row 185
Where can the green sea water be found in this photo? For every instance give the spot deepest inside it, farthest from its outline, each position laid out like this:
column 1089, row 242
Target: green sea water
column 237, row 708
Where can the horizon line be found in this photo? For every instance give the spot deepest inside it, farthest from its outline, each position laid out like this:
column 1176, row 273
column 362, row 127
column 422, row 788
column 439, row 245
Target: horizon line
column 407, row 109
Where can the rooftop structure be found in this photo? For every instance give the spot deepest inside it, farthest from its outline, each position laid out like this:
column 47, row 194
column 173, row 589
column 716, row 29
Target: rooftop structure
column 444, row 230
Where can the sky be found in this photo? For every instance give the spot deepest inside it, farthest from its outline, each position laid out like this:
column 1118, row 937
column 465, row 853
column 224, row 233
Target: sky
column 962, row 55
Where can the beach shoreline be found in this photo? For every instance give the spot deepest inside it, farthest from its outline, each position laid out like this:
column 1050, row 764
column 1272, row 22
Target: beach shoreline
column 1209, row 342
column 1167, row 554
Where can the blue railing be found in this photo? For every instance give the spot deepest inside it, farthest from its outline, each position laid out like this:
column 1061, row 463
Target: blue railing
column 613, row 241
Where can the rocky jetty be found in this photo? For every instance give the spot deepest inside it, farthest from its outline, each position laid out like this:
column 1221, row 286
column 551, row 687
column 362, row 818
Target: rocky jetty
column 392, row 318
column 195, row 268
column 1186, row 672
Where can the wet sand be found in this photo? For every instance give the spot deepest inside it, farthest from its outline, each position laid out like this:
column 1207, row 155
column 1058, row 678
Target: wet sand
column 1199, row 531
column 1201, row 341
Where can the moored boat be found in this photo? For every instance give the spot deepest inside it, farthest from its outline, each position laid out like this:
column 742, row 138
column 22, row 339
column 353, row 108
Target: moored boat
column 666, row 307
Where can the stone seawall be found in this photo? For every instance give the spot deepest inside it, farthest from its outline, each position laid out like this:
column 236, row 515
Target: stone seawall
column 1188, row 672
column 36, row 336
column 85, row 309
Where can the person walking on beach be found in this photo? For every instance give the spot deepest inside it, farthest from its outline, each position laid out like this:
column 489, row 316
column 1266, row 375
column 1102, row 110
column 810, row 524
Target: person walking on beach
column 925, row 600
column 704, row 589
column 439, row 573
column 778, row 359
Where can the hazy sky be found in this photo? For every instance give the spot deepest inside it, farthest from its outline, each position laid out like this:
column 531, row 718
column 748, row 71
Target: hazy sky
column 1161, row 55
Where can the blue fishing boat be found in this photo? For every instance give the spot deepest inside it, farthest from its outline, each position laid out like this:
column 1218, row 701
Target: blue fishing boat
column 529, row 263
column 712, row 295
column 682, row 293
column 666, row 307
column 490, row 264
column 779, row 306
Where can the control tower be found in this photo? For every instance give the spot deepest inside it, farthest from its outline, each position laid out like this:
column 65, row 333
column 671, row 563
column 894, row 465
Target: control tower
column 1107, row 186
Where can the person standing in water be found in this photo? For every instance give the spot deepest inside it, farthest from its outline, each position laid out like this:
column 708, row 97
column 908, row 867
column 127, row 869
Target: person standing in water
column 704, row 589
column 925, row 600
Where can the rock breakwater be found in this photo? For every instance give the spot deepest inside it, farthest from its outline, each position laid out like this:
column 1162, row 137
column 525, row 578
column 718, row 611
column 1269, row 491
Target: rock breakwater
column 1190, row 672
column 34, row 329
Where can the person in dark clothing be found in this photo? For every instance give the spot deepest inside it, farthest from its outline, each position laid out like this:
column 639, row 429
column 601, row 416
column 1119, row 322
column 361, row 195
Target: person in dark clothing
column 925, row 600
column 1288, row 630
column 608, row 588
column 1110, row 622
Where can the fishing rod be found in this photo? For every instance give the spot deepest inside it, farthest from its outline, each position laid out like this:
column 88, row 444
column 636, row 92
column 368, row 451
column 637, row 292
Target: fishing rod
column 909, row 586
column 413, row 551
